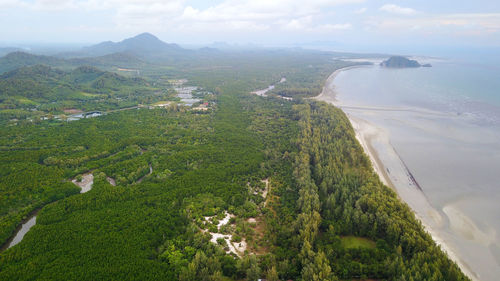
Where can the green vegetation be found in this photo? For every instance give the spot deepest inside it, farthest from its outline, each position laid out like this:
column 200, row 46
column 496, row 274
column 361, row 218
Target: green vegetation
column 110, row 62
column 327, row 216
column 307, row 81
column 39, row 91
column 341, row 195
column 192, row 155
column 350, row 242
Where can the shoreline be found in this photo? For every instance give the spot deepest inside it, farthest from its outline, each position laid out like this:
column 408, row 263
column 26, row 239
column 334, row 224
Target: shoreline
column 328, row 94
column 369, row 135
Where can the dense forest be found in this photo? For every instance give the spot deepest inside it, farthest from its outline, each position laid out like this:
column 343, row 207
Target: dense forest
column 282, row 185
column 341, row 199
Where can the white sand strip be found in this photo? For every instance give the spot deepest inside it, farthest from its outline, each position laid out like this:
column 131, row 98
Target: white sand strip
column 86, row 183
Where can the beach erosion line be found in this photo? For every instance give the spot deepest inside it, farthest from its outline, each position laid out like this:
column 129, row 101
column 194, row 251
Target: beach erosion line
column 392, row 170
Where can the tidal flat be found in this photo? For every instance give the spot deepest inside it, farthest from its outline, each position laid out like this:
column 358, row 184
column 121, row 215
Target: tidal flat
column 438, row 152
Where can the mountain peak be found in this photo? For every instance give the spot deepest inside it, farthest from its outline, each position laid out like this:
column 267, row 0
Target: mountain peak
column 142, row 39
column 145, row 35
column 142, row 45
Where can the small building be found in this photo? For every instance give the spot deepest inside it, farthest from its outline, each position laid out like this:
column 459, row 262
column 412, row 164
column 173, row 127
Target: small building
column 163, row 104
column 93, row 114
column 200, row 108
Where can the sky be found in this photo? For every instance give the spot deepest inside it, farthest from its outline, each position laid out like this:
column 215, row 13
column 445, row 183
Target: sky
column 357, row 24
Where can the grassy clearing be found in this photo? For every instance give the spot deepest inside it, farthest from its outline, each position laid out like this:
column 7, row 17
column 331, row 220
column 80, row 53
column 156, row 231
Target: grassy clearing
column 26, row 101
column 350, row 242
column 162, row 102
column 89, row 95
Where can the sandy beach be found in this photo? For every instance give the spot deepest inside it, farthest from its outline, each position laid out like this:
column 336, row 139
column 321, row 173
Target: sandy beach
column 394, row 172
column 328, row 93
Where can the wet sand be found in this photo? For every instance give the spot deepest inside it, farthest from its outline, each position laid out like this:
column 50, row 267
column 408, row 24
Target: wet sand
column 86, row 183
column 394, row 172
column 329, row 94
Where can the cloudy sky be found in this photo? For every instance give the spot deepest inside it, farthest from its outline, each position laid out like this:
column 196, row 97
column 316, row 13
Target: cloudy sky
column 267, row 22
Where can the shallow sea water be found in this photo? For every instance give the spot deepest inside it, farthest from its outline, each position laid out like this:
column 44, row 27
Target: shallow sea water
column 444, row 122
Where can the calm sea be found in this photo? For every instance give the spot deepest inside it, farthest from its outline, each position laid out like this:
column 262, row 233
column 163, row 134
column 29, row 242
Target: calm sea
column 453, row 86
column 444, row 122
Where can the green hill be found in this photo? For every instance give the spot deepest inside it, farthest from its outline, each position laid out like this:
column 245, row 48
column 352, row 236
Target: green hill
column 18, row 59
column 399, row 62
column 112, row 61
column 38, row 89
column 118, row 60
column 46, row 84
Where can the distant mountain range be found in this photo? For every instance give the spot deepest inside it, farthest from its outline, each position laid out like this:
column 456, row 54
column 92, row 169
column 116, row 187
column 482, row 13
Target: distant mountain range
column 8, row 50
column 21, row 59
column 133, row 52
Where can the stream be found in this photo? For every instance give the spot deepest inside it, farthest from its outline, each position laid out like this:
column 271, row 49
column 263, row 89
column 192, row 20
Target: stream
column 150, row 172
column 27, row 224
column 263, row 92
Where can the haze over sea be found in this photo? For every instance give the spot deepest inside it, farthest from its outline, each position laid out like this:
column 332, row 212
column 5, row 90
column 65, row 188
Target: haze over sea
column 444, row 122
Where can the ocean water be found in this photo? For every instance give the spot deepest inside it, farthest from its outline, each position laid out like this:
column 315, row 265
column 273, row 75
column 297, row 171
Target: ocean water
column 444, row 123
column 454, row 87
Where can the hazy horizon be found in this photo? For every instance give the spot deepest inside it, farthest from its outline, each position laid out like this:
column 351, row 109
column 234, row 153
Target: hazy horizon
column 344, row 25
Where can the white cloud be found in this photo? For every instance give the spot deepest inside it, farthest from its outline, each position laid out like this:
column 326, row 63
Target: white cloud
column 158, row 12
column 90, row 5
column 477, row 24
column 241, row 18
column 263, row 9
column 255, row 15
column 343, row 26
column 395, row 9
column 298, row 24
column 8, row 4
column 361, row 11
column 247, row 15
column 307, row 24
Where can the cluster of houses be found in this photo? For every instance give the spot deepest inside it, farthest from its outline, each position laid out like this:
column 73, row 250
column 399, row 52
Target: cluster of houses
column 185, row 93
column 74, row 117
column 202, row 107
